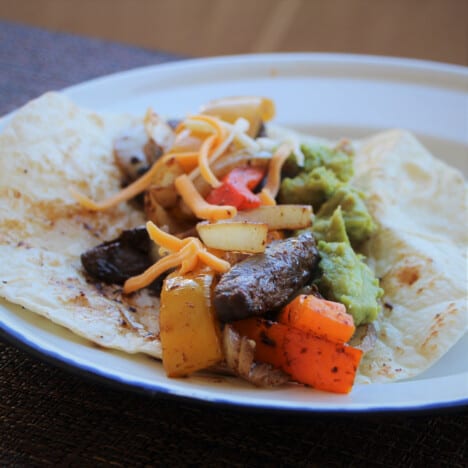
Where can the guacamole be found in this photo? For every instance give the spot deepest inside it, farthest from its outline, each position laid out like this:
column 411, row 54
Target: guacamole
column 334, row 159
column 332, row 229
column 342, row 222
column 347, row 279
column 324, row 171
column 309, row 188
column 358, row 222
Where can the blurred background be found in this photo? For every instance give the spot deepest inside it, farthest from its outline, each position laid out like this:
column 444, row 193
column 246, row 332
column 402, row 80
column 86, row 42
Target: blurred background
column 426, row 29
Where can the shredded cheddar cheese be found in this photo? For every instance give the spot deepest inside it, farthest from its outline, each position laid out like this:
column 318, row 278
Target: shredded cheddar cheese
column 187, row 159
column 163, row 239
column 148, row 276
column 240, row 127
column 206, row 124
column 191, row 258
column 203, row 169
column 199, row 206
column 273, row 178
column 215, row 136
column 203, row 163
column 184, row 253
column 186, row 141
column 243, row 139
column 126, row 194
column 266, row 198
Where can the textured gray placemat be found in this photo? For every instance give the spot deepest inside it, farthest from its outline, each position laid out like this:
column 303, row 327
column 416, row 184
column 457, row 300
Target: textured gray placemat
column 33, row 61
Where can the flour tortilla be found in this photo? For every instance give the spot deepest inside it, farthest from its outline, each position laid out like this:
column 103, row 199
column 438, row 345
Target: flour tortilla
column 49, row 145
column 419, row 253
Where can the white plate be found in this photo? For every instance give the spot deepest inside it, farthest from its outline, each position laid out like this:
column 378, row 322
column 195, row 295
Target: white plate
column 328, row 95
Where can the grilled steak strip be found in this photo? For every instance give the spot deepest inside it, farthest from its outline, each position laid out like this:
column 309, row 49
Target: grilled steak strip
column 117, row 260
column 264, row 282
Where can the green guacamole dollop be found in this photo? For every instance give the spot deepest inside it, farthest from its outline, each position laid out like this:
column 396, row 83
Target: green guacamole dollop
column 342, row 222
column 347, row 279
column 334, row 159
column 324, row 171
column 309, row 188
column 357, row 220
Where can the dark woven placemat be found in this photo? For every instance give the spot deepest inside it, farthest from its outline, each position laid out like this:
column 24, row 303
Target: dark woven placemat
column 49, row 416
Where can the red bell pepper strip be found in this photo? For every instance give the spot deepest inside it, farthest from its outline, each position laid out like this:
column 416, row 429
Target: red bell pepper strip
column 236, row 189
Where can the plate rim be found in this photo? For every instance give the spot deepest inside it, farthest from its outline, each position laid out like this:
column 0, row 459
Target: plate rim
column 325, row 57
column 94, row 372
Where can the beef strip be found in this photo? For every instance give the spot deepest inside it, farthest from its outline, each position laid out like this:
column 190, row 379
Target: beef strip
column 265, row 282
column 117, row 260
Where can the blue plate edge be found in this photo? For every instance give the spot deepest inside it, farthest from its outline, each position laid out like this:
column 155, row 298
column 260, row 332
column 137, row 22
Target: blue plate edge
column 21, row 342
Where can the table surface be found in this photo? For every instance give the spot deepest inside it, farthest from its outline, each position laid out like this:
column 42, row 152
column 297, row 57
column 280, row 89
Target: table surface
column 50, row 416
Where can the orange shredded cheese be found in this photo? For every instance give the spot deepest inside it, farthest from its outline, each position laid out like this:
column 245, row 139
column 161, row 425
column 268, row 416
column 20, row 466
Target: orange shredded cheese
column 164, row 239
column 220, row 136
column 215, row 142
column 203, row 169
column 190, row 261
column 214, row 122
column 185, row 253
column 126, row 194
column 214, row 262
column 187, row 159
column 199, row 206
column 266, row 198
column 148, row 276
column 185, row 140
column 203, row 164
column 207, row 124
column 211, row 148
